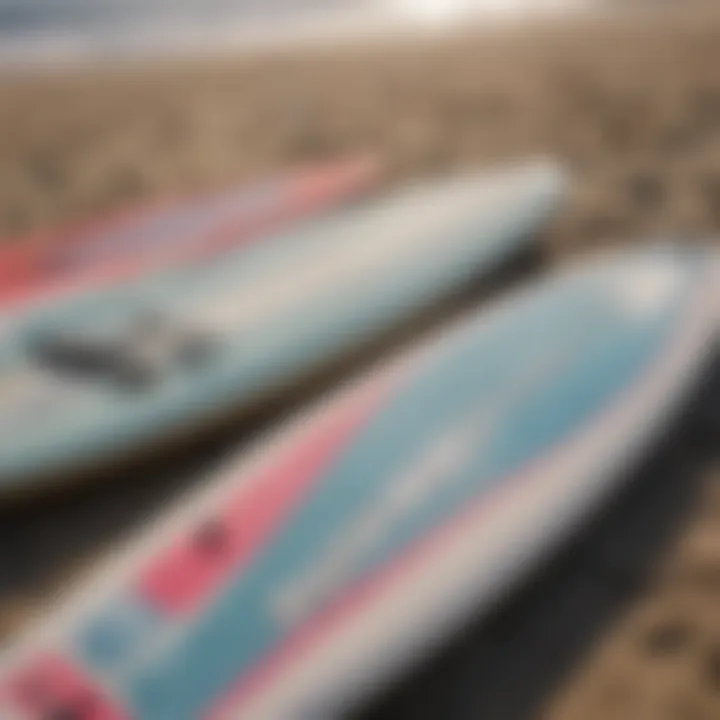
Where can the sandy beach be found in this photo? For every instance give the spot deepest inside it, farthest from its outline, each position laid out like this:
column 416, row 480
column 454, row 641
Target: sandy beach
column 631, row 105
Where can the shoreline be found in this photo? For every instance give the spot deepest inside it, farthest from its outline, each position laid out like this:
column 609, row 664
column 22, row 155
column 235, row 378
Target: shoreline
column 240, row 39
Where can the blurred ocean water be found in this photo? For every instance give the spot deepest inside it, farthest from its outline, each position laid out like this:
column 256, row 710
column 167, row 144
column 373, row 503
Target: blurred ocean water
column 36, row 28
column 51, row 29
column 40, row 16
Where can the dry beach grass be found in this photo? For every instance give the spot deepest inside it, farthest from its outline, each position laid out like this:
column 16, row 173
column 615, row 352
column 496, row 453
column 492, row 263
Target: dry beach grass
column 632, row 107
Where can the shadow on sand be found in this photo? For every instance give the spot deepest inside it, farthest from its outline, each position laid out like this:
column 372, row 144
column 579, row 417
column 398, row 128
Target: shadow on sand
column 45, row 532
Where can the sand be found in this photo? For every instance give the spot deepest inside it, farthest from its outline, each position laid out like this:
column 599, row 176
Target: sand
column 632, row 107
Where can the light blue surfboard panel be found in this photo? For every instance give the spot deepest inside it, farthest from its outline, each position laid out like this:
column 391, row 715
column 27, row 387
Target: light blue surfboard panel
column 221, row 335
column 348, row 545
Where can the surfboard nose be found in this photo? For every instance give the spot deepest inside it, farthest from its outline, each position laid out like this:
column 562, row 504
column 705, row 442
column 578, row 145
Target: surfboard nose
column 552, row 180
column 537, row 183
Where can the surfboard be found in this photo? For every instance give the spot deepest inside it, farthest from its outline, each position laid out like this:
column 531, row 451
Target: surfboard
column 110, row 250
column 315, row 568
column 95, row 379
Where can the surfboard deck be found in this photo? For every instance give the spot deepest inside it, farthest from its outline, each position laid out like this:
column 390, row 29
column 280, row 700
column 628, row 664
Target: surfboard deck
column 310, row 572
column 99, row 378
column 126, row 245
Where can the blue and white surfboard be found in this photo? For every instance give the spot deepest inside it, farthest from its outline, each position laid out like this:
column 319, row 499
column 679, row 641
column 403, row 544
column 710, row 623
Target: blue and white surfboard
column 102, row 376
column 341, row 550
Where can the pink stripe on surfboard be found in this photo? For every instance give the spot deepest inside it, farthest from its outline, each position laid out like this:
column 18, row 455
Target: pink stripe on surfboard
column 303, row 192
column 373, row 584
column 52, row 685
column 183, row 578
